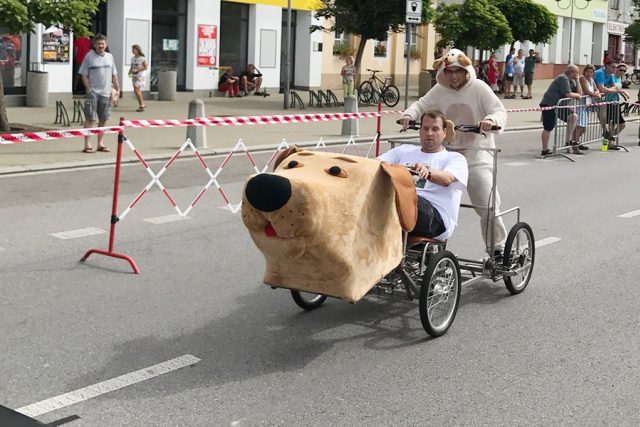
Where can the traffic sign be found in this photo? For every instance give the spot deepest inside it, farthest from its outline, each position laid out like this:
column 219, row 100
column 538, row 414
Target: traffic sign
column 414, row 12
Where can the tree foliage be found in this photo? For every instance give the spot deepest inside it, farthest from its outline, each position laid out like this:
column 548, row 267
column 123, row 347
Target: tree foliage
column 371, row 19
column 632, row 33
column 474, row 23
column 21, row 16
column 529, row 21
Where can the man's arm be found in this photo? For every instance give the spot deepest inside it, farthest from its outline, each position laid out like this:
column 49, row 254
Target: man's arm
column 444, row 178
column 115, row 83
column 85, row 82
column 494, row 112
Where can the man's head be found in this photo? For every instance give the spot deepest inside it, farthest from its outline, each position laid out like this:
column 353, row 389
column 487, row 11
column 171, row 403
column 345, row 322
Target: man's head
column 251, row 68
column 520, row 52
column 610, row 68
column 572, row 71
column 531, row 52
column 456, row 76
column 100, row 44
column 433, row 130
column 512, row 50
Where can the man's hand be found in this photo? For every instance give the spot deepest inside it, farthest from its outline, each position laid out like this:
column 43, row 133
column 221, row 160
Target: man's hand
column 405, row 121
column 485, row 125
column 421, row 170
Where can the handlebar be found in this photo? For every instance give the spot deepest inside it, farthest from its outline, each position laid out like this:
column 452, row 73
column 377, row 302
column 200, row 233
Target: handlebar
column 414, row 125
column 374, row 71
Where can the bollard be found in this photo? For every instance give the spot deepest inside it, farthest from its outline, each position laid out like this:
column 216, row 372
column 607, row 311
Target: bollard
column 350, row 126
column 197, row 134
column 37, row 89
column 167, row 85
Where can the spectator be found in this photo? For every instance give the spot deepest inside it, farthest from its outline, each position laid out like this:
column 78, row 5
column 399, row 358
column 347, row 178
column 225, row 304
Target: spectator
column 607, row 59
column 98, row 73
column 615, row 120
column 560, row 87
column 492, row 72
column 508, row 75
column 8, row 65
column 605, row 79
column 138, row 74
column 347, row 73
column 81, row 46
column 529, row 67
column 251, row 80
column 518, row 73
column 230, row 83
column 589, row 87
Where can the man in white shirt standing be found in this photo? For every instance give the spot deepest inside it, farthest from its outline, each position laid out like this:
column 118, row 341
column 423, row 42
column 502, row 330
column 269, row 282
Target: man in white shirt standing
column 99, row 74
column 441, row 176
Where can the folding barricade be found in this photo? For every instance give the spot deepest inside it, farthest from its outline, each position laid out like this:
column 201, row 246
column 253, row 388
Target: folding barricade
column 155, row 178
column 579, row 122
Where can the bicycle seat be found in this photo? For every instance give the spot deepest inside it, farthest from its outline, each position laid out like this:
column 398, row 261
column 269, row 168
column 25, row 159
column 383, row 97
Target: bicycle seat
column 413, row 240
column 374, row 71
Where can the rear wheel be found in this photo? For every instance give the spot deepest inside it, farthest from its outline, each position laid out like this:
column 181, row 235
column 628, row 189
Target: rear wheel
column 307, row 300
column 391, row 96
column 635, row 78
column 440, row 293
column 519, row 255
column 365, row 92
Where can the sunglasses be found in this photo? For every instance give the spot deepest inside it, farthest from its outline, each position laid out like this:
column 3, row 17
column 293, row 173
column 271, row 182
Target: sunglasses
column 622, row 69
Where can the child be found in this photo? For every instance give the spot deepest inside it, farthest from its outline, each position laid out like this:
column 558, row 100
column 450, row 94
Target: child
column 347, row 77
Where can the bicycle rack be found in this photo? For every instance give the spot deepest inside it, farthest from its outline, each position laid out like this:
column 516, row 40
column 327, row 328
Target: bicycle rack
column 78, row 112
column 333, row 97
column 62, row 117
column 295, row 98
column 313, row 96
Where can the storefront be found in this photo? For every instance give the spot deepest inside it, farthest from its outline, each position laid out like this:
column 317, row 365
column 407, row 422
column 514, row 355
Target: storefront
column 13, row 62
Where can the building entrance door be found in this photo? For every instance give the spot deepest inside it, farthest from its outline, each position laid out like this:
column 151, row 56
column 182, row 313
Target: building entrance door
column 169, row 40
column 234, row 35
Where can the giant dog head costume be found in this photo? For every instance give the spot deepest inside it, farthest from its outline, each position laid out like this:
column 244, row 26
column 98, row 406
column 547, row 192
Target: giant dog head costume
column 329, row 223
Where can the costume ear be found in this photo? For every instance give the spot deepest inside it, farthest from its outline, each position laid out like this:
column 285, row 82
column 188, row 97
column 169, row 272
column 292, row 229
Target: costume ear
column 406, row 197
column 464, row 60
column 450, row 132
column 284, row 154
column 437, row 62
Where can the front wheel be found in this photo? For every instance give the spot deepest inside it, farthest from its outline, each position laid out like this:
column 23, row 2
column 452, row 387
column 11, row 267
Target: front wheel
column 440, row 293
column 635, row 78
column 519, row 255
column 307, row 300
column 365, row 92
column 391, row 96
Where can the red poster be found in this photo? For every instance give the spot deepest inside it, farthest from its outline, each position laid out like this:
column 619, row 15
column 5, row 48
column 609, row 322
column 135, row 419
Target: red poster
column 207, row 45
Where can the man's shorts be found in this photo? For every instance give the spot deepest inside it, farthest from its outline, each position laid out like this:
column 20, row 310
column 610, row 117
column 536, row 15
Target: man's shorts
column 614, row 114
column 518, row 79
column 528, row 79
column 549, row 116
column 429, row 223
column 97, row 107
column 508, row 78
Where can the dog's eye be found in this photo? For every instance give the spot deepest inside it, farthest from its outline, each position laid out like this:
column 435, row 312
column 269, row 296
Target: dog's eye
column 336, row 171
column 294, row 164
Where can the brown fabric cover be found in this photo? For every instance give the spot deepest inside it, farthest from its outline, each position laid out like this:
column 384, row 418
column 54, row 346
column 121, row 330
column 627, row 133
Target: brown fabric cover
column 336, row 235
column 406, row 197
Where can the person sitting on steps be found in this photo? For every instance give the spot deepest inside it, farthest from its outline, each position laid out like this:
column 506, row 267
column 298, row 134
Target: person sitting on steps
column 251, row 80
column 230, row 83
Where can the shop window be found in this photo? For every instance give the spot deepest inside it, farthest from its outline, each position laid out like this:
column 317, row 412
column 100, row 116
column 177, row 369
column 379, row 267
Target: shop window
column 380, row 48
column 13, row 62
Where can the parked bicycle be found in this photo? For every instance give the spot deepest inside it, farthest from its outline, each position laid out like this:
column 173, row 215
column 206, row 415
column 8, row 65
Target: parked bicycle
column 375, row 89
column 635, row 76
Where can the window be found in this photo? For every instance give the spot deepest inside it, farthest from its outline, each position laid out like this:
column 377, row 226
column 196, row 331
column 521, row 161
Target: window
column 380, row 48
column 13, row 62
column 414, row 41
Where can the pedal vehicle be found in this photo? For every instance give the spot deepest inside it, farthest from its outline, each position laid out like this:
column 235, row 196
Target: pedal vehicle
column 435, row 276
column 373, row 90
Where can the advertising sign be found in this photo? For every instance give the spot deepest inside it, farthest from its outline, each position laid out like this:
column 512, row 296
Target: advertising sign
column 55, row 45
column 207, row 45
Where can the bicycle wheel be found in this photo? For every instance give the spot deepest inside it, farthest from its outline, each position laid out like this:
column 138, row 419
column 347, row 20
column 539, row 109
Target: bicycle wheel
column 519, row 251
column 440, row 293
column 307, row 300
column 365, row 91
column 391, row 96
column 635, row 78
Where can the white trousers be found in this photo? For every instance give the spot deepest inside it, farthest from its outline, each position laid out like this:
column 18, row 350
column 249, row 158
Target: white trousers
column 479, row 189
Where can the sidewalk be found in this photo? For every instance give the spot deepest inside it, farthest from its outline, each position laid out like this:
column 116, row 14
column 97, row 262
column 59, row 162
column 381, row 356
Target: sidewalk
column 162, row 142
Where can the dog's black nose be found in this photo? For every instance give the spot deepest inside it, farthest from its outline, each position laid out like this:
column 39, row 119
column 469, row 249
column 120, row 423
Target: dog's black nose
column 267, row 192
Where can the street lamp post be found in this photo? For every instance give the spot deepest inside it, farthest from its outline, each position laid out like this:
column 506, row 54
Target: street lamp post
column 572, row 4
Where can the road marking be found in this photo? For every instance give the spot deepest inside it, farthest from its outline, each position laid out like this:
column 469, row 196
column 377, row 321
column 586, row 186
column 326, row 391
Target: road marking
column 516, row 164
column 629, row 214
column 166, row 219
column 74, row 234
column 86, row 393
column 547, row 241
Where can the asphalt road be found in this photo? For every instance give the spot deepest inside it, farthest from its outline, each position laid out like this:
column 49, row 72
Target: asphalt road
column 565, row 352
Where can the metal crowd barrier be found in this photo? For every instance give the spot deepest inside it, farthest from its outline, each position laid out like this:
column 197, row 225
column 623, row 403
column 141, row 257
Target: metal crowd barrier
column 579, row 123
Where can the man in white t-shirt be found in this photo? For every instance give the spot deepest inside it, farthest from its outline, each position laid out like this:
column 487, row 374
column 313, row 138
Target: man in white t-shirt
column 441, row 177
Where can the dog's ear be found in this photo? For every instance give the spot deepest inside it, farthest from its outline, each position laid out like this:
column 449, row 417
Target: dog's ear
column 284, row 154
column 406, row 197
column 450, row 132
column 437, row 62
column 464, row 60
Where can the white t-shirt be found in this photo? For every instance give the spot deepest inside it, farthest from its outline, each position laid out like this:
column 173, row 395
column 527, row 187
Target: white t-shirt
column 99, row 70
column 518, row 65
column 446, row 199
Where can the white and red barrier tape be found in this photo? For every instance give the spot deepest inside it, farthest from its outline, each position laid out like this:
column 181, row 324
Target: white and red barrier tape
column 16, row 138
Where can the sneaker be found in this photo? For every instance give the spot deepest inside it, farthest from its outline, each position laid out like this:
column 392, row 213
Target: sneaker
column 583, row 147
column 545, row 152
column 576, row 150
column 498, row 256
column 614, row 147
column 238, row 96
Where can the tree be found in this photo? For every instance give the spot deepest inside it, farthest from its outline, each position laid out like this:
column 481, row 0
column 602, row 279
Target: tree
column 528, row 21
column 371, row 19
column 21, row 16
column 474, row 23
column 632, row 33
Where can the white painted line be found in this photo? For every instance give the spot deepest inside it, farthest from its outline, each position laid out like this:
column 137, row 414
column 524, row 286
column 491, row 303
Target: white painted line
column 74, row 234
column 629, row 214
column 166, row 218
column 86, row 393
column 516, row 164
column 547, row 241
